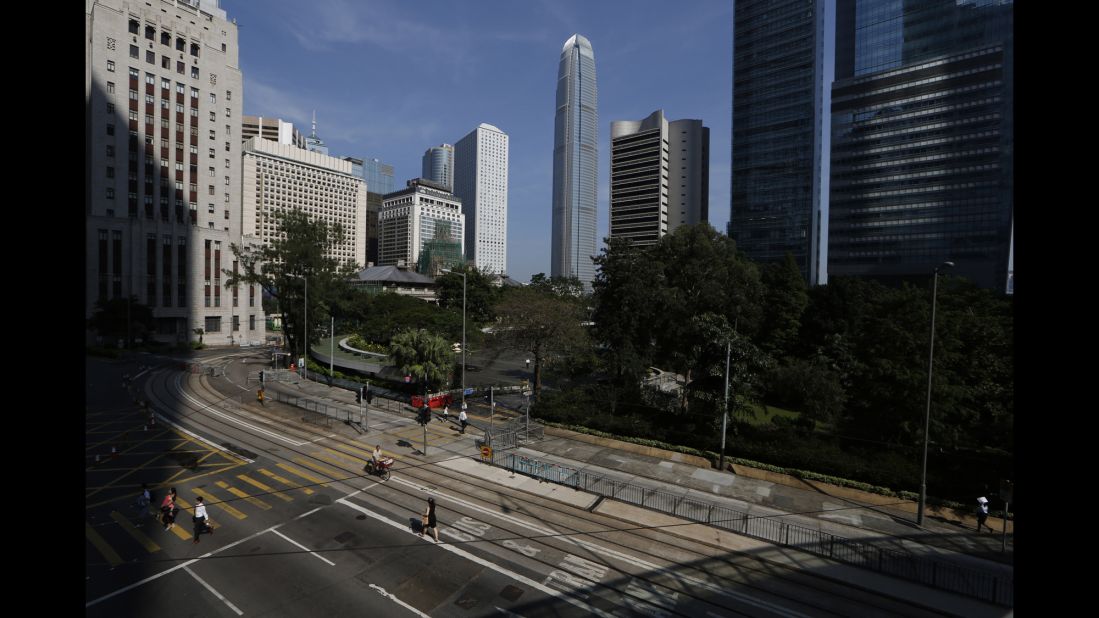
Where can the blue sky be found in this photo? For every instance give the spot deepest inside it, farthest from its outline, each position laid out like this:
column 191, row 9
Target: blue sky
column 390, row 78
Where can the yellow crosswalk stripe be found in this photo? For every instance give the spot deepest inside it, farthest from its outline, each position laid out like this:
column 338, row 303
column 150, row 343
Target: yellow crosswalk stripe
column 332, row 474
column 184, row 518
column 104, row 549
column 145, row 541
column 285, row 481
column 365, row 453
column 302, row 473
column 271, row 491
column 341, row 460
column 240, row 494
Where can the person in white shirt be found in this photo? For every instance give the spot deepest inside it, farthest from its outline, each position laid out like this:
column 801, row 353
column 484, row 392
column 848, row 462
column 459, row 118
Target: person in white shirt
column 200, row 519
column 462, row 417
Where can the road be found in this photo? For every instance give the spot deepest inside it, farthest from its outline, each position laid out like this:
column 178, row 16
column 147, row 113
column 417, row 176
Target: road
column 299, row 531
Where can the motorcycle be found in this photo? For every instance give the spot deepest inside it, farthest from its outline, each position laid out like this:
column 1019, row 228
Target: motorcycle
column 382, row 469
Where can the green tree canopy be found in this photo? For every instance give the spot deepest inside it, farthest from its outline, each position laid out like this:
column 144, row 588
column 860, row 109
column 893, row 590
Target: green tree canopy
column 424, row 355
column 482, row 292
column 123, row 318
column 291, row 263
column 545, row 325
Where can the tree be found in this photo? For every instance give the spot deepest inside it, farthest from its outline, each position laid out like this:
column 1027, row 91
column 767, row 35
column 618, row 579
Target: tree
column 545, row 325
column 558, row 286
column 123, row 318
column 289, row 265
column 482, row 292
column 424, row 355
column 785, row 297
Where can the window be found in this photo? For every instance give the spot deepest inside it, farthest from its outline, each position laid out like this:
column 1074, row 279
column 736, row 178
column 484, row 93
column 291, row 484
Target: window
column 179, row 67
column 110, row 87
column 110, row 151
column 134, row 26
column 212, row 116
column 226, row 181
column 133, row 51
column 165, row 62
column 110, row 172
column 150, row 33
column 211, row 208
column 228, row 112
column 179, row 88
column 228, row 95
column 194, row 72
column 226, row 215
column 194, row 49
column 150, row 79
column 211, row 153
column 110, row 129
column 194, row 93
column 165, row 84
column 110, row 193
column 110, row 108
column 133, row 95
column 227, row 164
column 251, row 322
column 150, row 57
column 165, row 39
column 179, row 44
column 213, row 98
column 110, row 66
column 211, row 191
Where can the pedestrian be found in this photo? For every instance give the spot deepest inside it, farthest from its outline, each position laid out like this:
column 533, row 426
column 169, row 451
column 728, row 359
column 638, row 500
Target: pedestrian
column 462, row 418
column 200, row 519
column 429, row 520
column 168, row 510
column 446, row 412
column 143, row 502
column 982, row 514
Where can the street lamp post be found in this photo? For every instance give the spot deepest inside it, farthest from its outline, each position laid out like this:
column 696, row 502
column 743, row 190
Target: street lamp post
column 927, row 413
column 447, row 270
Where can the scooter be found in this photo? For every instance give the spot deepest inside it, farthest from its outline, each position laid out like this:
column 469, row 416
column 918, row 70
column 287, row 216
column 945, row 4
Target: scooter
column 382, row 469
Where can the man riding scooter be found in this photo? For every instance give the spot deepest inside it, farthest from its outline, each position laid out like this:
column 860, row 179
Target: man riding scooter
column 379, row 464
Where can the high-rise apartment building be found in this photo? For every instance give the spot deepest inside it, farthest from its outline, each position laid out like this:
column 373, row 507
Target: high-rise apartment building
column 273, row 129
column 923, row 140
column 660, row 177
column 162, row 167
column 421, row 225
column 481, row 181
column 278, row 178
column 438, row 165
column 778, row 109
column 575, row 164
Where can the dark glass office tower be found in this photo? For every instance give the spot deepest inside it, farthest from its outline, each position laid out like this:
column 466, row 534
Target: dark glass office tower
column 778, row 89
column 922, row 140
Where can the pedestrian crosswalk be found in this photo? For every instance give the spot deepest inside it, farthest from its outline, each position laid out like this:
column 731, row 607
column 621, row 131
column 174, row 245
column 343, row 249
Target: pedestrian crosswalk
column 128, row 534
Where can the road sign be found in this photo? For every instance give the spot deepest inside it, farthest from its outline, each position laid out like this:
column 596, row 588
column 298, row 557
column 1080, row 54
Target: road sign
column 468, row 391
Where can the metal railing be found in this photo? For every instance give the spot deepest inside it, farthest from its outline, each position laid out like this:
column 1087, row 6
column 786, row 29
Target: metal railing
column 987, row 586
column 513, row 432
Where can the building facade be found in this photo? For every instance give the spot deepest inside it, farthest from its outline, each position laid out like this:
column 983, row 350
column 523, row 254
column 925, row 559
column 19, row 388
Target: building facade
column 481, row 181
column 575, row 164
column 162, row 168
column 923, row 140
column 778, row 110
column 273, row 129
column 438, row 165
column 423, row 216
column 659, row 177
column 278, row 178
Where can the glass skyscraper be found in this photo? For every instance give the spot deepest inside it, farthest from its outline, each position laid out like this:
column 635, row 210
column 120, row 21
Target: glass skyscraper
column 575, row 163
column 438, row 165
column 922, row 140
column 778, row 111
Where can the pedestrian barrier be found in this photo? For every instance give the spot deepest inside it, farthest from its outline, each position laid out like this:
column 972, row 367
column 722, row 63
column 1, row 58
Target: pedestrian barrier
column 988, row 586
column 514, row 432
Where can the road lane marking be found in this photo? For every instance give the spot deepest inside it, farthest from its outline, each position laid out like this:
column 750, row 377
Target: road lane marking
column 209, row 408
column 140, row 537
column 278, row 493
column 214, row 592
column 393, row 598
column 285, row 481
column 256, row 502
column 104, row 549
column 311, row 552
column 303, row 474
column 334, row 475
column 485, row 563
column 213, row 524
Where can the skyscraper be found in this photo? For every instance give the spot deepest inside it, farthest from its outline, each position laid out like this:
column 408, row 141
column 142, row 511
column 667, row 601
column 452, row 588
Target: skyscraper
column 163, row 179
column 778, row 100
column 923, row 140
column 575, row 164
column 438, row 165
column 659, row 176
column 379, row 181
column 481, row 180
column 314, row 143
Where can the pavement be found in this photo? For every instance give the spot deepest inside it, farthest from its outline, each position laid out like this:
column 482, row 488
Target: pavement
column 869, row 518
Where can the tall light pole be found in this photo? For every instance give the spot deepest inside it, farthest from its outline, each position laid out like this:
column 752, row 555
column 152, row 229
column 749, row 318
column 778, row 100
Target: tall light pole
column 725, row 412
column 447, row 270
column 927, row 414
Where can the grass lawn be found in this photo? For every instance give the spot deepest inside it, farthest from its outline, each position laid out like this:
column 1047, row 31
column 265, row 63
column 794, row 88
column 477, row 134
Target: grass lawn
column 764, row 414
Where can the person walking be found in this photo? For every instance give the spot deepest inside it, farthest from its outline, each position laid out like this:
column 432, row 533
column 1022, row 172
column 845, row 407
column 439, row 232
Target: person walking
column 168, row 510
column 200, row 519
column 446, row 412
column 143, row 502
column 462, row 418
column 429, row 520
column 982, row 514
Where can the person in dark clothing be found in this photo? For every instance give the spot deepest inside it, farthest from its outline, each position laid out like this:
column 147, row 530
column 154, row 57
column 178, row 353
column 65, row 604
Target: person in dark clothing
column 430, row 523
column 982, row 514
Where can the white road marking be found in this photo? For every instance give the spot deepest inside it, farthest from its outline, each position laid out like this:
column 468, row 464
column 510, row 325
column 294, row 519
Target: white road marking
column 177, row 427
column 485, row 563
column 214, row 592
column 393, row 598
column 626, row 558
column 312, row 553
column 507, row 613
column 208, row 408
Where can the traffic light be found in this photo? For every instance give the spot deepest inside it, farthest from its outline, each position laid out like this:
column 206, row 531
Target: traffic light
column 261, row 377
column 425, row 416
column 369, row 395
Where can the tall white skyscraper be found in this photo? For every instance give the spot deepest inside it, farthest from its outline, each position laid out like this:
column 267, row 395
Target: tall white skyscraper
column 575, row 164
column 481, row 180
column 164, row 94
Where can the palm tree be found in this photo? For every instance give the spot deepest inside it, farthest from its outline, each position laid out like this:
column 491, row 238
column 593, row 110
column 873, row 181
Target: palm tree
column 422, row 354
